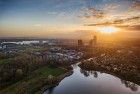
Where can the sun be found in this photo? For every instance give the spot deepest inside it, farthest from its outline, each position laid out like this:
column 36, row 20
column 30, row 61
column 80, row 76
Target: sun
column 108, row 29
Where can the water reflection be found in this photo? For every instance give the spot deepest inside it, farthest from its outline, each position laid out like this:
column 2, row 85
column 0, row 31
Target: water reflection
column 132, row 86
column 93, row 82
column 88, row 73
column 128, row 84
column 50, row 91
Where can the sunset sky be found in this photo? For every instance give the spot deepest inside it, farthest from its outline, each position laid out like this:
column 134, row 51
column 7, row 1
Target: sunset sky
column 69, row 18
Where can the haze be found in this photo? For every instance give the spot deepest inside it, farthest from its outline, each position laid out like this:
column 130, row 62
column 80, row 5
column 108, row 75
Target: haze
column 69, row 18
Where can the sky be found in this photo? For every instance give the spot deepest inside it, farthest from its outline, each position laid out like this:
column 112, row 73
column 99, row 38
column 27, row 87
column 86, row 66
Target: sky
column 69, row 18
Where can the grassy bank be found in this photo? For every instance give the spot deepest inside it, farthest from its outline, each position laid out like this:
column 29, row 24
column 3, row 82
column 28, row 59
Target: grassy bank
column 31, row 84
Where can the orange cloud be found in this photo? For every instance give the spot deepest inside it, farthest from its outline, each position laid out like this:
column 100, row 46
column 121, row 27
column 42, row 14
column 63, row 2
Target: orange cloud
column 115, row 22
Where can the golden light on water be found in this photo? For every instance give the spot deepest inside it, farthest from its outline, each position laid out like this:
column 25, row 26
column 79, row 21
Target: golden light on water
column 108, row 29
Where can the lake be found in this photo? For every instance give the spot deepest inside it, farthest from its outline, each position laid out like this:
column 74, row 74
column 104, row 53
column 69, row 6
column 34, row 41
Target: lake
column 23, row 42
column 93, row 82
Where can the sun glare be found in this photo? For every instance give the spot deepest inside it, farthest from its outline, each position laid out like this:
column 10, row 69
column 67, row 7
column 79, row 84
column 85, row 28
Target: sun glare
column 108, row 29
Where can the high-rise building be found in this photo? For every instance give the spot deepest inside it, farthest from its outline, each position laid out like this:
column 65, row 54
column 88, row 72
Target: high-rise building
column 93, row 42
column 80, row 42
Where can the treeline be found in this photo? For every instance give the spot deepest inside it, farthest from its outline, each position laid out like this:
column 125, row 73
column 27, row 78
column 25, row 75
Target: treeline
column 17, row 68
column 8, row 55
column 120, row 61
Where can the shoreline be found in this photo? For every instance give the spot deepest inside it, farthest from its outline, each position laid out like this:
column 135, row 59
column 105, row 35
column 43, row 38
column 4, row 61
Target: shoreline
column 120, row 73
column 55, row 83
column 39, row 83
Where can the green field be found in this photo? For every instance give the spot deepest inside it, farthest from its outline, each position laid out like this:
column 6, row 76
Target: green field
column 46, row 71
column 4, row 61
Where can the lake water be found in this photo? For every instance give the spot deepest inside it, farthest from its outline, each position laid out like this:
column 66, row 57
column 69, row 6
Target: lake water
column 27, row 42
column 23, row 42
column 93, row 82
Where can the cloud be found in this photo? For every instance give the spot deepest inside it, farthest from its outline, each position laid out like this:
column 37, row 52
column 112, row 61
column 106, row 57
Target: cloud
column 115, row 22
column 111, row 7
column 92, row 12
column 136, row 5
column 96, row 13
column 132, row 27
column 100, row 12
